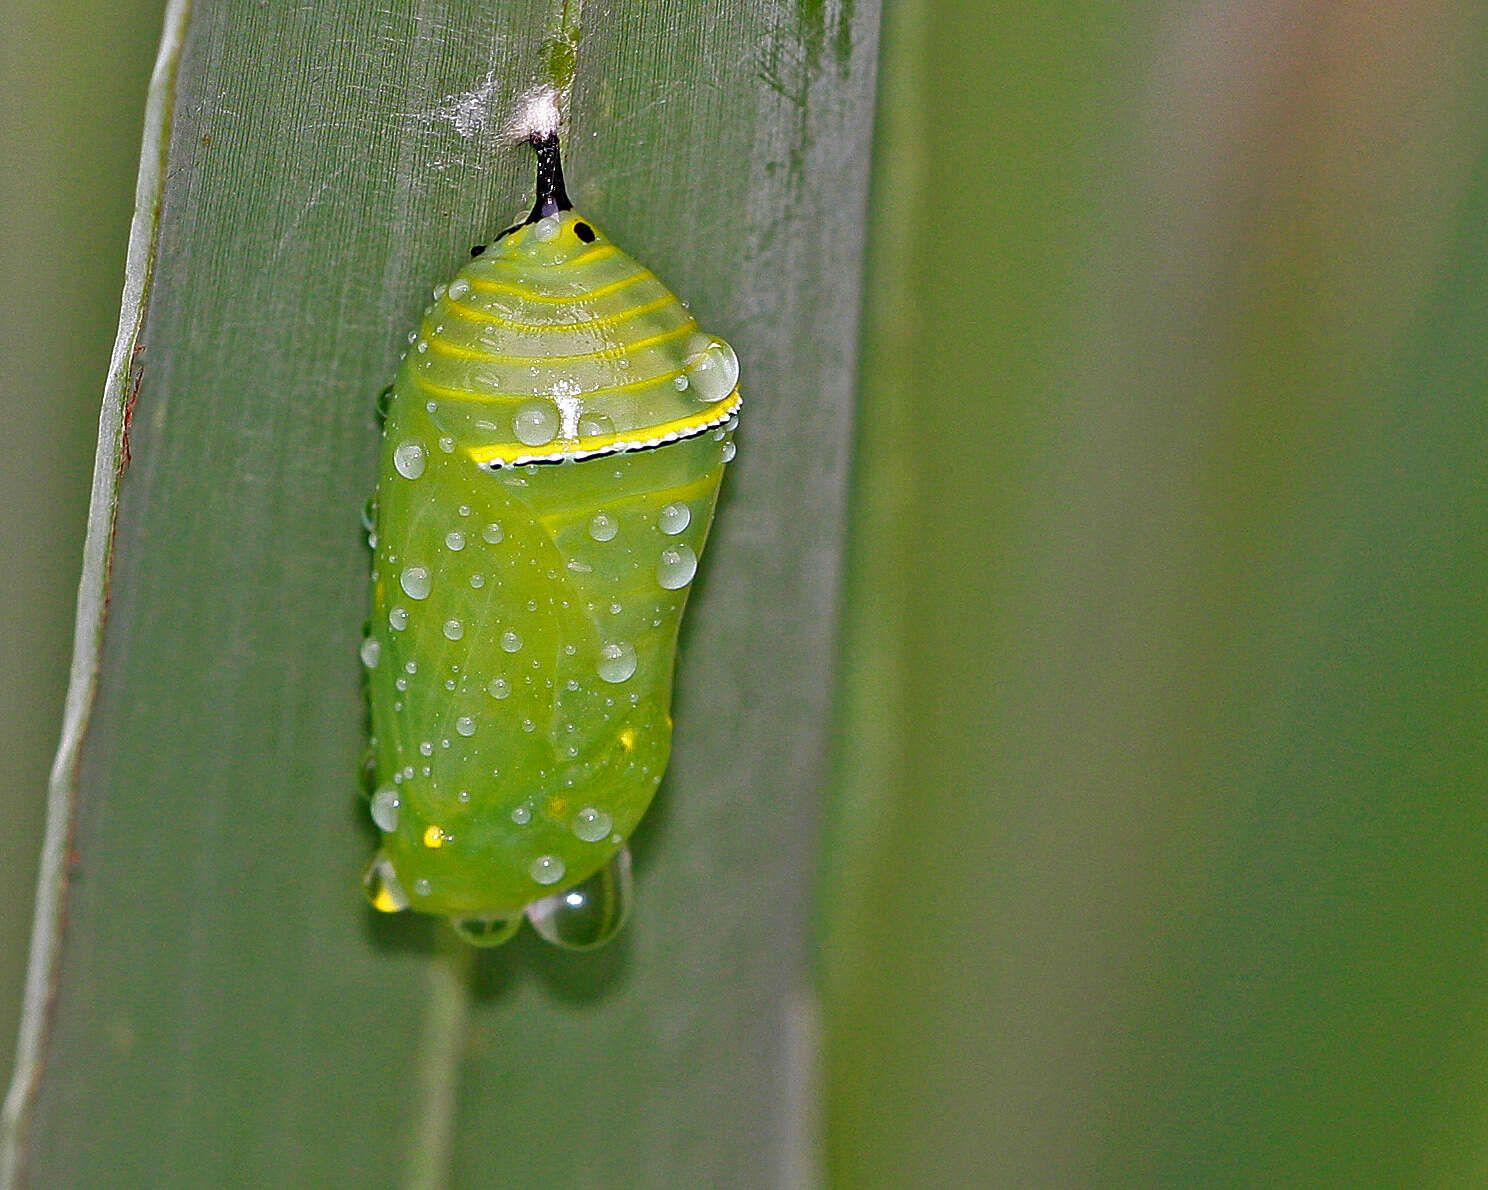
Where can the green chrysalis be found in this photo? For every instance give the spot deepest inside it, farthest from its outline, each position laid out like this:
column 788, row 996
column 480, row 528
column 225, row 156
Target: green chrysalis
column 552, row 451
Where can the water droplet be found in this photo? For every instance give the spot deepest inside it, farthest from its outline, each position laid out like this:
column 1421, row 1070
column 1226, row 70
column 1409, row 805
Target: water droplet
column 546, row 869
column 447, row 444
column 713, row 371
column 674, row 518
column 676, row 567
column 592, row 825
column 454, row 540
column 591, row 912
column 728, row 452
column 415, row 582
column 679, row 383
column 546, row 228
column 426, row 748
column 453, row 629
column 477, row 581
column 535, row 423
column 422, row 887
column 465, row 725
column 459, row 287
column 382, row 887
column 510, row 641
column 385, row 803
column 617, row 661
column 522, row 815
column 603, row 527
column 499, row 688
column 595, row 425
column 371, row 652
column 398, row 619
column 486, row 931
column 492, row 534
column 410, row 666
column 408, row 459
column 369, row 513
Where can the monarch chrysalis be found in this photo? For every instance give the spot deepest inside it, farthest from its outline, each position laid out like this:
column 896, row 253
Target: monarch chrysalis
column 552, row 451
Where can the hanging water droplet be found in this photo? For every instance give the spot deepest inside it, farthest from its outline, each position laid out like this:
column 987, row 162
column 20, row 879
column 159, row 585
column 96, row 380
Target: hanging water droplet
column 603, row 527
column 674, row 518
column 408, row 459
column 371, row 652
column 385, row 803
column 728, row 452
column 546, row 869
column 617, row 661
column 676, row 567
column 591, row 824
column 486, row 931
column 591, row 912
column 382, row 887
column 415, row 582
column 712, row 371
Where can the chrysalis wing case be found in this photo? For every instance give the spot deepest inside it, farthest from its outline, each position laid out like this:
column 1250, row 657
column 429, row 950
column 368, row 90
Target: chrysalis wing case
column 551, row 456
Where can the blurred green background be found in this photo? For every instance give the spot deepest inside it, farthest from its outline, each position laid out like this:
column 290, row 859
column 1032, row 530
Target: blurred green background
column 1156, row 851
column 74, row 76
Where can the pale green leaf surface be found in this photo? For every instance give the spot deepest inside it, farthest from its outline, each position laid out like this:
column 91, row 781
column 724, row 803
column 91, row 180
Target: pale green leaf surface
column 228, row 1011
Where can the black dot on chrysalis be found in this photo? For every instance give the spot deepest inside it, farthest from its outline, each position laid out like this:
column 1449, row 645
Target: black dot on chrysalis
column 584, row 232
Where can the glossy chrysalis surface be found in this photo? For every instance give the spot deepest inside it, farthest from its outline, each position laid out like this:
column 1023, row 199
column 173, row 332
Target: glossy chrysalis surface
column 552, row 451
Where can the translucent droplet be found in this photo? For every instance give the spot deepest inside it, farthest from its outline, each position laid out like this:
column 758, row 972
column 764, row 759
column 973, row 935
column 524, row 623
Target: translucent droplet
column 415, row 582
column 713, row 371
column 385, row 803
column 510, row 641
column 369, row 514
column 674, row 518
column 591, row 824
column 408, row 459
column 499, row 688
column 459, row 287
column 535, row 423
column 676, row 567
column 546, row 869
column 591, row 912
column 595, row 425
column 728, row 452
column 454, row 540
column 465, row 725
column 522, row 815
column 382, row 887
column 492, row 534
column 371, row 652
column 453, row 629
column 617, row 661
column 398, row 618
column 603, row 527
column 477, row 580
column 546, row 228
column 486, row 931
